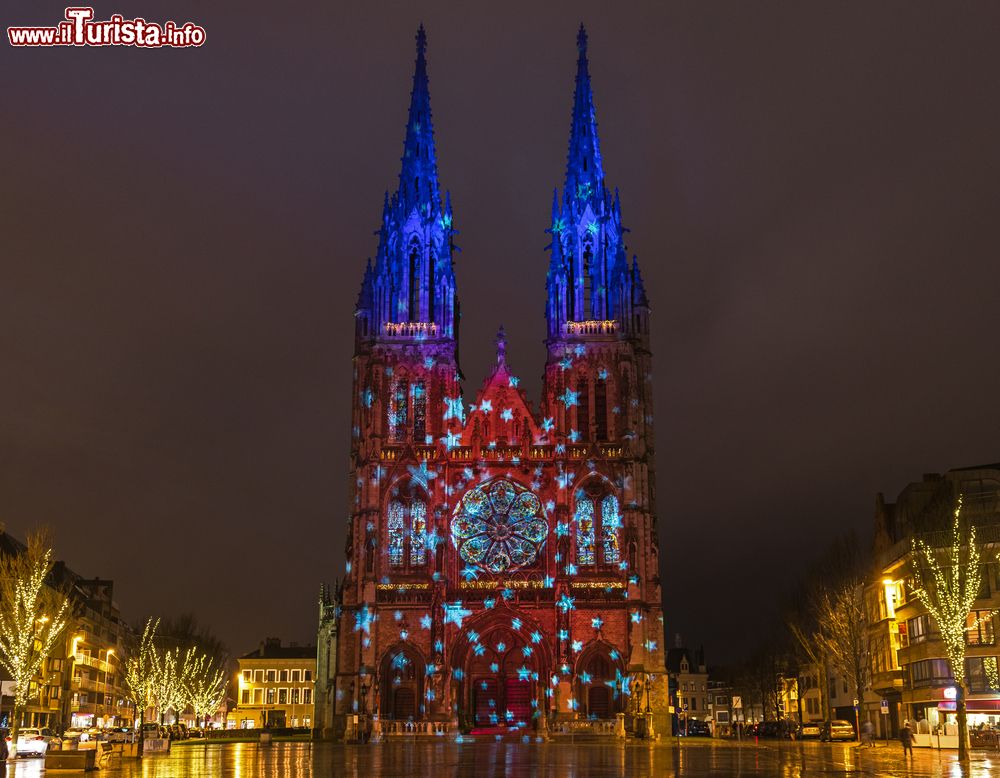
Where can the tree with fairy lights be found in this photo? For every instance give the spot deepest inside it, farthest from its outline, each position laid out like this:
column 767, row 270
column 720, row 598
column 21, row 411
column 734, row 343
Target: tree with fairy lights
column 173, row 669
column 947, row 580
column 205, row 688
column 33, row 617
column 140, row 675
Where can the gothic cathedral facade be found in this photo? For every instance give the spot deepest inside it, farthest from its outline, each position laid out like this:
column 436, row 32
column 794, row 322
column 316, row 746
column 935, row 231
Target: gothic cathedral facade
column 502, row 561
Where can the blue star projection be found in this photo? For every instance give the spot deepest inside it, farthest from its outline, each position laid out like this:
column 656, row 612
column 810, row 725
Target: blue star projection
column 502, row 562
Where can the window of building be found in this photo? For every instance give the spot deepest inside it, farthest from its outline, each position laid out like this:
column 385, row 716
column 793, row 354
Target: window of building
column 918, row 629
column 931, row 672
column 419, row 413
column 247, row 675
column 308, row 675
column 721, row 701
column 398, row 410
column 295, row 676
column 258, row 676
column 601, row 408
column 270, row 696
column 283, row 676
column 597, row 516
column 684, row 686
column 270, row 676
column 407, row 517
column 694, row 703
column 981, row 674
column 307, row 696
column 245, row 697
column 258, row 696
column 722, row 716
column 296, row 696
column 282, row 696
column 979, row 629
column 583, row 408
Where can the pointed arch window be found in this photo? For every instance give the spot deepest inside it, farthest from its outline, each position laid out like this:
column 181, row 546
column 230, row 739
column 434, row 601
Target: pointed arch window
column 588, row 269
column 598, row 523
column 407, row 519
column 414, row 280
column 601, row 408
column 583, row 408
column 419, row 413
column 399, row 410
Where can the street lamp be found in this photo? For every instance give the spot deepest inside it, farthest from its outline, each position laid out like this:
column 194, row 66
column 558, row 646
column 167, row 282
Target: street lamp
column 107, row 667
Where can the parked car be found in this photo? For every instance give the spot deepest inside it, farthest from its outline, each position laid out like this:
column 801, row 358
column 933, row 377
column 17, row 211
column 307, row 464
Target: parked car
column 809, row 729
column 838, row 729
column 119, row 735
column 33, row 741
column 697, row 728
column 75, row 735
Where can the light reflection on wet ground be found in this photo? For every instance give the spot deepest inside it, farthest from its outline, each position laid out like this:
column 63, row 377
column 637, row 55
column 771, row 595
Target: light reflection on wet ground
column 446, row 759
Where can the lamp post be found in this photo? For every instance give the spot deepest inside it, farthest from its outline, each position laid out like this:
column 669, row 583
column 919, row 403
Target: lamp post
column 107, row 667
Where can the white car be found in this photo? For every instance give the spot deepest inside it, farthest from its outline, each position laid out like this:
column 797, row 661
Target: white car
column 32, row 741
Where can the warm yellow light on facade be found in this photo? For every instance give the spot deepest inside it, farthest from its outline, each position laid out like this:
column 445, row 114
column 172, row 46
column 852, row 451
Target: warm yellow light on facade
column 888, row 581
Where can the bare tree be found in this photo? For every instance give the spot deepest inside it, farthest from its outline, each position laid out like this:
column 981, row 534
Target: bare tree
column 841, row 614
column 33, row 617
column 947, row 582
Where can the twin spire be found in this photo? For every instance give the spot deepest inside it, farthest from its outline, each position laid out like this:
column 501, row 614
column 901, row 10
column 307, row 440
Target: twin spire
column 410, row 289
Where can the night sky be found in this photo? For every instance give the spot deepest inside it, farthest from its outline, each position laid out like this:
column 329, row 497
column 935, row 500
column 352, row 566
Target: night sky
column 812, row 190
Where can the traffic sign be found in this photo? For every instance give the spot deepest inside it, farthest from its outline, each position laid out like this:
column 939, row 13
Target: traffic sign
column 885, row 707
column 737, row 701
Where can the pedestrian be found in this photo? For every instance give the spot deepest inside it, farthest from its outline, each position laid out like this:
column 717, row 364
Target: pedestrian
column 906, row 738
column 868, row 733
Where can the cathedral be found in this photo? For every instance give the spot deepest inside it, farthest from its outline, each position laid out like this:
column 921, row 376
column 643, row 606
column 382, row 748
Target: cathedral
column 502, row 559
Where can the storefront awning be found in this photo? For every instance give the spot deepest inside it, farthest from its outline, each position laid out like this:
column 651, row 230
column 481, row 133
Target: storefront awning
column 973, row 706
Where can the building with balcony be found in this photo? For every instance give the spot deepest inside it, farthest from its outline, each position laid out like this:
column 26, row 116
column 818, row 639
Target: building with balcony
column 688, row 683
column 275, row 687
column 910, row 669
column 80, row 683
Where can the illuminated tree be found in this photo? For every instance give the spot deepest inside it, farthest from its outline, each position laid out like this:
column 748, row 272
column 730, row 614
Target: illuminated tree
column 33, row 617
column 947, row 581
column 205, row 688
column 173, row 671
column 140, row 675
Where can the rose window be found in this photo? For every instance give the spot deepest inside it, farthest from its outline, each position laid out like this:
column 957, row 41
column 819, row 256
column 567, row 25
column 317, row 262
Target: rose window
column 499, row 526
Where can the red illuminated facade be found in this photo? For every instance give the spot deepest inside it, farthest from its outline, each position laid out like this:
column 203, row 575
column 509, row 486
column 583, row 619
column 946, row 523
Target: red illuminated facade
column 503, row 561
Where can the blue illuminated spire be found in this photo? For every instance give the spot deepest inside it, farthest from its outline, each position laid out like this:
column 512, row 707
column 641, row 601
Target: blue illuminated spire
column 418, row 180
column 412, row 285
column 584, row 172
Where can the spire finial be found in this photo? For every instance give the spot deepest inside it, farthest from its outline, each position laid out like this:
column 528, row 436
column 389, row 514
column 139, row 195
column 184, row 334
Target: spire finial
column 421, row 41
column 581, row 40
column 501, row 342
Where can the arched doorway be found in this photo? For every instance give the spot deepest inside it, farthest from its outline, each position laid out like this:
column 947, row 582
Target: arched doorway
column 502, row 680
column 401, row 684
column 598, row 690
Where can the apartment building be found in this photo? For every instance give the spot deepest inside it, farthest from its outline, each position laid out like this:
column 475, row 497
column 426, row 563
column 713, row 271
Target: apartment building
column 275, row 687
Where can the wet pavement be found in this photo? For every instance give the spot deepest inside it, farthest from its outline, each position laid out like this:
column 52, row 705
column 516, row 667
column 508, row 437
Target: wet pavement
column 448, row 759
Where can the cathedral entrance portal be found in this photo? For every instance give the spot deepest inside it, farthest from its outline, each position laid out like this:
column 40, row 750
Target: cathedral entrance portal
column 503, row 676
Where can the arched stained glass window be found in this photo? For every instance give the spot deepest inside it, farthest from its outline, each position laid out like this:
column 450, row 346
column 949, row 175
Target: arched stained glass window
column 398, row 411
column 419, row 413
column 396, row 533
column 418, row 533
column 598, row 522
column 584, row 516
column 610, row 525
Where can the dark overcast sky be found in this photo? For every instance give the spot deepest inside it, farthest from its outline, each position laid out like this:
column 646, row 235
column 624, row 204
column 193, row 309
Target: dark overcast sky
column 812, row 189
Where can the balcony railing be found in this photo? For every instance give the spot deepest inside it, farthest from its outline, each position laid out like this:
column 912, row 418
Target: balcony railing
column 591, row 327
column 411, row 329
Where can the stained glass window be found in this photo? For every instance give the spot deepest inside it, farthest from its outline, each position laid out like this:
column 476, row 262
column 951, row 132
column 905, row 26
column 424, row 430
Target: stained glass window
column 499, row 526
column 584, row 518
column 418, row 533
column 396, row 533
column 398, row 411
column 419, row 412
column 610, row 524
